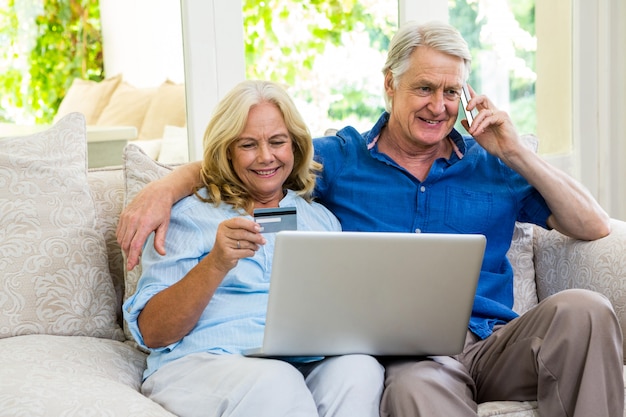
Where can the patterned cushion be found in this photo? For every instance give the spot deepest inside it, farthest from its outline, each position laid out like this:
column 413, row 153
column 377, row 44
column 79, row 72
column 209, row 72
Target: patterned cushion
column 139, row 170
column 55, row 278
column 521, row 257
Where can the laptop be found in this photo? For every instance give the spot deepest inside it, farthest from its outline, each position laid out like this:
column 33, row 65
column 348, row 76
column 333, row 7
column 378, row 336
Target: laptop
column 377, row 293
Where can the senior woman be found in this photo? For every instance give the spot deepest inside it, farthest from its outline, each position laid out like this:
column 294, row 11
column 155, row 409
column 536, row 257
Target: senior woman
column 203, row 302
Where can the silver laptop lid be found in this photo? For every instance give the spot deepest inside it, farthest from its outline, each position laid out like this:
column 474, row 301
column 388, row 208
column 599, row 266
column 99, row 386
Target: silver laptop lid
column 335, row 293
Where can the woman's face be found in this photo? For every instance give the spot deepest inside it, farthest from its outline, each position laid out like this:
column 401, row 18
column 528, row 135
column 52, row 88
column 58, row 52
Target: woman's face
column 262, row 156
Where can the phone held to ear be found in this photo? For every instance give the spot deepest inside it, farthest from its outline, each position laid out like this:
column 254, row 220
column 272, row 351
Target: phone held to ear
column 465, row 98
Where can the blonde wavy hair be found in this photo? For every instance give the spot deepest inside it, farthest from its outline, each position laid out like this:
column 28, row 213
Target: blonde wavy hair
column 225, row 127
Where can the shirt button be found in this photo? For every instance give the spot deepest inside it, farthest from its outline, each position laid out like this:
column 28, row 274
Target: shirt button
column 422, row 188
column 418, row 230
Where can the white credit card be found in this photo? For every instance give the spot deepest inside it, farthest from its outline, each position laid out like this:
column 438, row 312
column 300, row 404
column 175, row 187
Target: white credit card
column 274, row 220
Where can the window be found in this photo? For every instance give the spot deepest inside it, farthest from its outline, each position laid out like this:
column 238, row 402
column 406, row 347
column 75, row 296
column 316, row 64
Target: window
column 329, row 55
column 501, row 37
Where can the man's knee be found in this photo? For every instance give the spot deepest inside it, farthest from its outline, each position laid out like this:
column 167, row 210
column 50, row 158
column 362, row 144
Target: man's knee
column 585, row 314
column 421, row 387
column 577, row 303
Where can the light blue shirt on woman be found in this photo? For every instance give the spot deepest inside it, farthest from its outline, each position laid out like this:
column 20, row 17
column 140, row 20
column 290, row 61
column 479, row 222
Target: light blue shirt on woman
column 234, row 319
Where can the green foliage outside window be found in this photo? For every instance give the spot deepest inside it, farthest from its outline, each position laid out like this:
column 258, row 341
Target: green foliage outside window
column 68, row 45
column 327, row 22
column 464, row 15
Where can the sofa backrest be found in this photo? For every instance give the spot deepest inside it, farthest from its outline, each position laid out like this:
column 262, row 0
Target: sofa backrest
column 107, row 190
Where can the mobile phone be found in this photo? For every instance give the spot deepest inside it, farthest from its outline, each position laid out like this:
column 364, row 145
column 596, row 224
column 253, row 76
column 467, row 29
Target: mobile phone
column 465, row 98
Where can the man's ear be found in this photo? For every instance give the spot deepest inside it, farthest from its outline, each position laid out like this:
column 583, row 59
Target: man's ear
column 389, row 90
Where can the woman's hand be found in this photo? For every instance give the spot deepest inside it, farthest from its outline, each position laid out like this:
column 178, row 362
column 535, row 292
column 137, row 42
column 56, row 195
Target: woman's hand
column 150, row 211
column 173, row 312
column 236, row 238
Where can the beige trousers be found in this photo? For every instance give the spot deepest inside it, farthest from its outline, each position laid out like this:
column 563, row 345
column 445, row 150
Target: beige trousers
column 566, row 353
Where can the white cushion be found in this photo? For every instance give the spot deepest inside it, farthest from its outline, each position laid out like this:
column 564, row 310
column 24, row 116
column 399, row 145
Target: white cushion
column 174, row 146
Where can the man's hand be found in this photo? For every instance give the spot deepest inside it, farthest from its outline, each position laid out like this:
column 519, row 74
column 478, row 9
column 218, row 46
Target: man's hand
column 575, row 212
column 150, row 211
column 147, row 212
column 492, row 128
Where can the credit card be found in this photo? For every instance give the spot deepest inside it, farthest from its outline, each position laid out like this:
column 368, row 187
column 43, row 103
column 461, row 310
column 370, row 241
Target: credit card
column 274, row 220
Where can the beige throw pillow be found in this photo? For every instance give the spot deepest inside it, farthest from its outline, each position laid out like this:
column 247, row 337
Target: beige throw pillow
column 166, row 108
column 87, row 97
column 55, row 277
column 127, row 107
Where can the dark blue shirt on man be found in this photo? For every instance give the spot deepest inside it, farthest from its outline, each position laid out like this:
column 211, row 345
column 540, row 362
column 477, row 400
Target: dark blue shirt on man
column 471, row 192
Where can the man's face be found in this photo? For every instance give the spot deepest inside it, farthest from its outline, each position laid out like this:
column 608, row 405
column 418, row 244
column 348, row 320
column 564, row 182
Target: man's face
column 426, row 102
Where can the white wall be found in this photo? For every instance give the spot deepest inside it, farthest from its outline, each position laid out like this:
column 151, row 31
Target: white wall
column 599, row 100
column 142, row 40
column 214, row 60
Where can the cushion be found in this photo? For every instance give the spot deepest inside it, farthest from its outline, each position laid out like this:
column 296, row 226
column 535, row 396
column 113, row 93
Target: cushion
column 166, row 108
column 521, row 257
column 87, row 97
column 152, row 147
column 139, row 170
column 127, row 107
column 174, row 147
column 55, row 278
column 45, row 375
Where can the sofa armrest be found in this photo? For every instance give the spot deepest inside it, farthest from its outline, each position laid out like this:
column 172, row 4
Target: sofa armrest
column 562, row 263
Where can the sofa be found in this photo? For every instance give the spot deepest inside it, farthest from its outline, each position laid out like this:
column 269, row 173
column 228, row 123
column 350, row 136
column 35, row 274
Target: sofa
column 64, row 347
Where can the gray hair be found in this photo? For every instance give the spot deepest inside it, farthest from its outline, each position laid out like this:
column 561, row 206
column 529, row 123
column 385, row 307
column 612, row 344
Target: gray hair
column 436, row 35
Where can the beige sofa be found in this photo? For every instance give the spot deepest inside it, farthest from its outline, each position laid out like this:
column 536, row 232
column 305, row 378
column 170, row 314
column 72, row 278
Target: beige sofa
column 64, row 349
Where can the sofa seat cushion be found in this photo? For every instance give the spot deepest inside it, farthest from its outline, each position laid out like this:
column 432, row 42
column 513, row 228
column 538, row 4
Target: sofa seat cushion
column 72, row 376
column 508, row 409
column 519, row 408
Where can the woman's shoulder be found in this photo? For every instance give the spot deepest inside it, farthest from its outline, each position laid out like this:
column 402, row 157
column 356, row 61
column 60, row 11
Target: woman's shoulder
column 314, row 213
